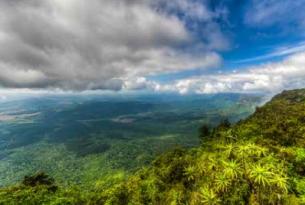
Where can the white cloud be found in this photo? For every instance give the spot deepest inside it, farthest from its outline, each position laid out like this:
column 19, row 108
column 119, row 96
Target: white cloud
column 278, row 52
column 281, row 12
column 79, row 45
column 271, row 77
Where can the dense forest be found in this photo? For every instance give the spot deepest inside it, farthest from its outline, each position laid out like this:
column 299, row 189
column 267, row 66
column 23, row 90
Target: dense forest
column 259, row 160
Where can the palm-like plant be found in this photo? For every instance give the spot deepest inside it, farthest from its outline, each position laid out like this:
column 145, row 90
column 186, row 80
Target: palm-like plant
column 250, row 149
column 222, row 182
column 232, row 169
column 229, row 149
column 190, row 172
column 280, row 181
column 272, row 162
column 212, row 163
column 242, row 152
column 175, row 198
column 260, row 175
column 209, row 197
column 258, row 151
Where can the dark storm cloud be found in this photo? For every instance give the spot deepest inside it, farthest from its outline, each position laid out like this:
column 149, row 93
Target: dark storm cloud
column 79, row 45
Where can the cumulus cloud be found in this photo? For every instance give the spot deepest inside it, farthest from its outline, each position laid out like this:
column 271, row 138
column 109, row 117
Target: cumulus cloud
column 271, row 77
column 81, row 45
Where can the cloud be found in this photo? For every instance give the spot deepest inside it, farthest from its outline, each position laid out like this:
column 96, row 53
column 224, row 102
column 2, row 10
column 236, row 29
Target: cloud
column 283, row 13
column 89, row 45
column 278, row 52
column 271, row 77
column 194, row 10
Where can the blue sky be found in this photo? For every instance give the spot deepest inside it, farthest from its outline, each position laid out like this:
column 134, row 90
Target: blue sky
column 253, row 42
column 185, row 46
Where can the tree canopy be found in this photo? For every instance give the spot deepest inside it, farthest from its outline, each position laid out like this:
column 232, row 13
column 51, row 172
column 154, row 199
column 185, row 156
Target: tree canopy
column 260, row 160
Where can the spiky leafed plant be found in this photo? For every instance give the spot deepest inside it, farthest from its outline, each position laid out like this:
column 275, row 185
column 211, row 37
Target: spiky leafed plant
column 260, row 175
column 229, row 149
column 280, row 181
column 242, row 152
column 175, row 197
column 190, row 173
column 211, row 162
column 209, row 197
column 222, row 183
column 232, row 169
column 250, row 149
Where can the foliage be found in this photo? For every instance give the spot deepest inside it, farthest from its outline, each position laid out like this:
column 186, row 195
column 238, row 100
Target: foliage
column 260, row 160
column 204, row 132
column 91, row 136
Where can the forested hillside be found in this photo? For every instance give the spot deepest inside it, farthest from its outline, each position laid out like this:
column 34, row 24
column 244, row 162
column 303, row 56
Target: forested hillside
column 260, row 160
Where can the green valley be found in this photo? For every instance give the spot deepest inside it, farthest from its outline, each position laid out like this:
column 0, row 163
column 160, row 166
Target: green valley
column 259, row 160
column 80, row 139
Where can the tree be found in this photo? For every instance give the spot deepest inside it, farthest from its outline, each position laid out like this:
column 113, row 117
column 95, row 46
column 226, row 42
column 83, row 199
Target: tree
column 204, row 132
column 224, row 124
column 40, row 179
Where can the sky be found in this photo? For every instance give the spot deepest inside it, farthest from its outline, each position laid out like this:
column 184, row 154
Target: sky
column 183, row 46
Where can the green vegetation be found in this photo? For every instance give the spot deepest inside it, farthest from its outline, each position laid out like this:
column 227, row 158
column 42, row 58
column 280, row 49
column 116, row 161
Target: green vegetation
column 259, row 160
column 91, row 137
